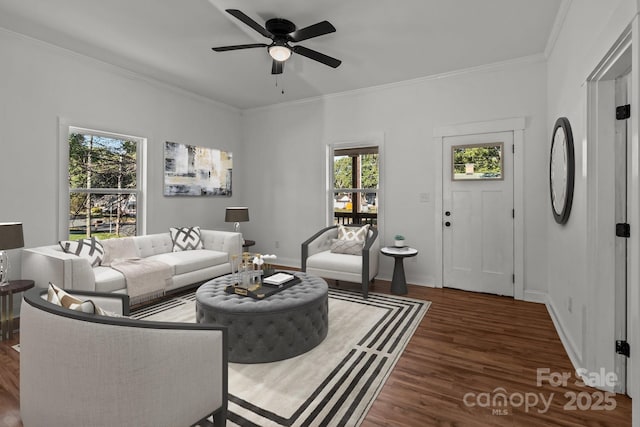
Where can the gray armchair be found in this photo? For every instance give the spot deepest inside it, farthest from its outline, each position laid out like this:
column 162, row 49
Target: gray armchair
column 318, row 259
column 79, row 369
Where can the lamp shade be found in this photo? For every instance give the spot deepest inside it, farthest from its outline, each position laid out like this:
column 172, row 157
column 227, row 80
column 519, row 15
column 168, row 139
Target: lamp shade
column 11, row 235
column 237, row 214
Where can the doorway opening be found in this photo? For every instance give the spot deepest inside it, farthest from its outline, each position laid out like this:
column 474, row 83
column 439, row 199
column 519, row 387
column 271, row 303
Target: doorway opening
column 608, row 185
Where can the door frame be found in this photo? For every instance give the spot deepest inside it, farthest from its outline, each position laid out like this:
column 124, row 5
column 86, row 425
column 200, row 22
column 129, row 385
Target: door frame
column 601, row 126
column 516, row 126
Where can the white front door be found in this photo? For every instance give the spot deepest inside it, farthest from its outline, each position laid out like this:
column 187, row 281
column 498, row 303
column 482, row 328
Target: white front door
column 478, row 212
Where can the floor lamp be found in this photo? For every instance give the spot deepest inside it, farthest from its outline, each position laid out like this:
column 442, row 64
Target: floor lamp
column 10, row 238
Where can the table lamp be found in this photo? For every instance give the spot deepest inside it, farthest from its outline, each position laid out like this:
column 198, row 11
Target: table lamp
column 10, row 238
column 237, row 214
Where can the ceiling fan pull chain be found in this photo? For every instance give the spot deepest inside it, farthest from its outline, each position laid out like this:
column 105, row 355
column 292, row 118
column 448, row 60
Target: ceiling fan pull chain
column 282, row 90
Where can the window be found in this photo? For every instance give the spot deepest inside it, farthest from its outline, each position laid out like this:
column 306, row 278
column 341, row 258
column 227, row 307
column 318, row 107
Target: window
column 104, row 184
column 355, row 185
column 477, row 161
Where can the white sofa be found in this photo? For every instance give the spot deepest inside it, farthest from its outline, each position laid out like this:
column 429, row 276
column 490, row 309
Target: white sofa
column 51, row 264
column 81, row 369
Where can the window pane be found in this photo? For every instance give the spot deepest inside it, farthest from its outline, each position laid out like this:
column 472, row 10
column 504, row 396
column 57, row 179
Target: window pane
column 342, row 172
column 355, row 170
column 102, row 215
column 342, row 202
column 368, row 203
column 100, row 162
column 477, row 161
column 368, row 171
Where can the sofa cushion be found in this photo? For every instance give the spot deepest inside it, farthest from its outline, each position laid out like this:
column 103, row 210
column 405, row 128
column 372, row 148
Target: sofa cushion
column 108, row 279
column 192, row 260
column 347, row 247
column 122, row 247
column 328, row 260
column 154, row 244
column 91, row 249
column 186, row 238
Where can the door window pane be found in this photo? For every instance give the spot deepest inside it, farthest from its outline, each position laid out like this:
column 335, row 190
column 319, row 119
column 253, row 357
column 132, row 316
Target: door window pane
column 477, row 161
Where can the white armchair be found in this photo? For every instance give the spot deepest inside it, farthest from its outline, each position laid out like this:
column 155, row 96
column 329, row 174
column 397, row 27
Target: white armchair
column 318, row 259
column 79, row 369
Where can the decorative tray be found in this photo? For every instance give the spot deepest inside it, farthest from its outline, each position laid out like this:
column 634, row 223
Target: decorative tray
column 261, row 290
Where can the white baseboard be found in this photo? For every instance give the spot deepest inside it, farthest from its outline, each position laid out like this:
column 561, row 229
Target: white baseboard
column 288, row 262
column 535, row 296
column 575, row 355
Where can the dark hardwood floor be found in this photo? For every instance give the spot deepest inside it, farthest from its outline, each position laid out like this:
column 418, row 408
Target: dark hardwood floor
column 469, row 348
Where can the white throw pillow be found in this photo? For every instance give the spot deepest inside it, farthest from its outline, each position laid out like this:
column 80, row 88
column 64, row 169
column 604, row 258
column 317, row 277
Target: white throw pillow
column 186, row 238
column 349, row 247
column 353, row 233
column 90, row 249
column 59, row 297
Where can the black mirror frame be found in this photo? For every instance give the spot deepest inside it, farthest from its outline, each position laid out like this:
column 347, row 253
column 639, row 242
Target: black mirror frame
column 563, row 216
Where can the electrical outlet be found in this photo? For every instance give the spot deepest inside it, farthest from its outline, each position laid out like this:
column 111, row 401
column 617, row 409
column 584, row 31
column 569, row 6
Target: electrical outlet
column 570, row 304
column 425, row 197
column 277, row 244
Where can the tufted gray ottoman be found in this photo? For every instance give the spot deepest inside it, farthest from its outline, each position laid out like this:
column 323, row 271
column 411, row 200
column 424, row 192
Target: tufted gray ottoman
column 278, row 327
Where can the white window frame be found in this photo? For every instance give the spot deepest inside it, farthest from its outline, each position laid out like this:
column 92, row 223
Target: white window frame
column 65, row 129
column 376, row 140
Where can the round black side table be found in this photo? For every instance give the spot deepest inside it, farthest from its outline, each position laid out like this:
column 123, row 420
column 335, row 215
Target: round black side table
column 6, row 302
column 399, row 282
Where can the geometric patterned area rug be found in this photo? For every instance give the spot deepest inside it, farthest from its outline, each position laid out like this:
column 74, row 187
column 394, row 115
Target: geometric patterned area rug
column 335, row 383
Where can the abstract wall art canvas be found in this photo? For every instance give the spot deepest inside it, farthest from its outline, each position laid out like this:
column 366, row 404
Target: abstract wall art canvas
column 196, row 171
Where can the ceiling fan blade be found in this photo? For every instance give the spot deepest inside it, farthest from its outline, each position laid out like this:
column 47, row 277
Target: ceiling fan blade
column 277, row 67
column 317, row 56
column 250, row 22
column 315, row 30
column 239, row 46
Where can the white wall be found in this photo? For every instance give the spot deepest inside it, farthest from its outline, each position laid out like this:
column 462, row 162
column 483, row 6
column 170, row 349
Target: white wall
column 39, row 84
column 287, row 142
column 583, row 308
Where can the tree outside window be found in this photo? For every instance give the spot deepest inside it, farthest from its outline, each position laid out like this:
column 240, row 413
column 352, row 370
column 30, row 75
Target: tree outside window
column 355, row 185
column 103, row 186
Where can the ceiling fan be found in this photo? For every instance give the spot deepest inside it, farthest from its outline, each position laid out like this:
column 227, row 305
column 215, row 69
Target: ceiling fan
column 282, row 32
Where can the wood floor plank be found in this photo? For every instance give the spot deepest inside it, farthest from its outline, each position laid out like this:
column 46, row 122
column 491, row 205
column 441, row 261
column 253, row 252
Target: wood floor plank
column 467, row 343
column 478, row 343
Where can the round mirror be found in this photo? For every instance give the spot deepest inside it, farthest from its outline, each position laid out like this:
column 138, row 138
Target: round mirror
column 561, row 170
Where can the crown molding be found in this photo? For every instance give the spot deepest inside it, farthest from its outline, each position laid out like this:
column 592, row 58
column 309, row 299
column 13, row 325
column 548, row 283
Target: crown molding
column 539, row 57
column 563, row 10
column 119, row 70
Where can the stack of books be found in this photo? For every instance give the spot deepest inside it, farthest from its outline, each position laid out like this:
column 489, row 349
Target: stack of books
column 278, row 279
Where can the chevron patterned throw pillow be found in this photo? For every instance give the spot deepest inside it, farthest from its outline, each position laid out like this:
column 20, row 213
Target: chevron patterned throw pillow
column 90, row 249
column 186, row 238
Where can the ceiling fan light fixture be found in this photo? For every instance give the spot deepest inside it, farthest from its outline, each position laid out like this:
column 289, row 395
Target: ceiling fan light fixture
column 279, row 52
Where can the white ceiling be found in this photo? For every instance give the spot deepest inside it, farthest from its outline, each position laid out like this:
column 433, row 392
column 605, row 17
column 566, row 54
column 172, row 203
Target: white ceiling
column 379, row 42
